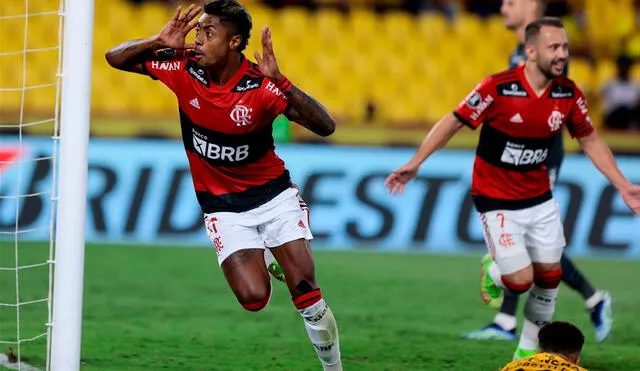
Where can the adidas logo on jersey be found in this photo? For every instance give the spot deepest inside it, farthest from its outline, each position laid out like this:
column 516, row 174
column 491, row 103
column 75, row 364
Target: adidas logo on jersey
column 301, row 224
column 194, row 102
column 516, row 119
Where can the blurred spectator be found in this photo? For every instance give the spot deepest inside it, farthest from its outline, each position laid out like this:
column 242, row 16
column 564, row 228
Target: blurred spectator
column 370, row 112
column 621, row 97
column 556, row 8
column 483, row 8
column 446, row 7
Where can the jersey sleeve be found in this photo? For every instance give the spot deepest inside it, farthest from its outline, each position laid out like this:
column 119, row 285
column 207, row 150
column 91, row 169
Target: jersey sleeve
column 477, row 106
column 274, row 100
column 167, row 66
column 579, row 123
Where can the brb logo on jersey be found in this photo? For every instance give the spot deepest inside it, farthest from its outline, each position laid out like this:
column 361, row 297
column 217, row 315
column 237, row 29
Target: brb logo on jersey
column 517, row 154
column 555, row 120
column 241, row 115
column 213, row 151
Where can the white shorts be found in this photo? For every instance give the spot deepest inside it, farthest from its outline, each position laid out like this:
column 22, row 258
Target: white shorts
column 516, row 238
column 283, row 219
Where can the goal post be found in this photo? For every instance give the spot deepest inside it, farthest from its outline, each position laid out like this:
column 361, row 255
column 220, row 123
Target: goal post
column 66, row 326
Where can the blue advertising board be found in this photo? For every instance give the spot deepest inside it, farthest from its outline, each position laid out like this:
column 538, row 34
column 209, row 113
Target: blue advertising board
column 140, row 191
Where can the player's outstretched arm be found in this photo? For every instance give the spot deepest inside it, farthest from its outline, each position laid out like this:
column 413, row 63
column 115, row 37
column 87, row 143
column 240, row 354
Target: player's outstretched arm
column 600, row 154
column 438, row 136
column 130, row 55
column 302, row 108
column 309, row 113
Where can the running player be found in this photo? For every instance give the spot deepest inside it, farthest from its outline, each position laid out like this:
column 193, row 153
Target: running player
column 560, row 347
column 227, row 105
column 522, row 110
column 517, row 15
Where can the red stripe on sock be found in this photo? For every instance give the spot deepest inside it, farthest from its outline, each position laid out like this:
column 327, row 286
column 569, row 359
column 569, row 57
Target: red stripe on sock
column 516, row 288
column 548, row 280
column 307, row 299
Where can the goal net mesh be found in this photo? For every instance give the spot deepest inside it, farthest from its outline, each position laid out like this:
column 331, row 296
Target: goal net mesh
column 30, row 65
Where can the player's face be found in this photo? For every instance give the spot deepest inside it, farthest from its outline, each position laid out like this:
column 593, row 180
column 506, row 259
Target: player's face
column 214, row 40
column 551, row 51
column 512, row 13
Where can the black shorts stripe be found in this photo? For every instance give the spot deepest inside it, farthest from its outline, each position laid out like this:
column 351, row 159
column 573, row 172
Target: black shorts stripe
column 485, row 204
column 248, row 199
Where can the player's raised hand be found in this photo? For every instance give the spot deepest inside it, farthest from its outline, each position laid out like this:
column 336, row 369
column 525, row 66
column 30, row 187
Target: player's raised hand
column 396, row 181
column 267, row 63
column 631, row 197
column 176, row 30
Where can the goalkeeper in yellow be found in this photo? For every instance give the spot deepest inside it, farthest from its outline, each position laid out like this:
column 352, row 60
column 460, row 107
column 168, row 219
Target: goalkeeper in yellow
column 560, row 347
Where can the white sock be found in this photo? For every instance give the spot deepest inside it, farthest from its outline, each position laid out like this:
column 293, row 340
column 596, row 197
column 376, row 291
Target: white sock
column 538, row 311
column 529, row 336
column 506, row 321
column 594, row 299
column 495, row 274
column 323, row 332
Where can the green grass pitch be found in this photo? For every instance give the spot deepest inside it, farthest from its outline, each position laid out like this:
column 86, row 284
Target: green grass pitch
column 164, row 308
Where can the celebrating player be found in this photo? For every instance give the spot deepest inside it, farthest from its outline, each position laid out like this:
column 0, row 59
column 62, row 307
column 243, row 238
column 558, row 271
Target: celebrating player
column 517, row 15
column 227, row 106
column 560, row 347
column 522, row 110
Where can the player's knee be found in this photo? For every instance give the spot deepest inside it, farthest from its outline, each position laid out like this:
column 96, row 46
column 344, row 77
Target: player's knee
column 517, row 288
column 307, row 295
column 254, row 300
column 548, row 279
column 518, row 282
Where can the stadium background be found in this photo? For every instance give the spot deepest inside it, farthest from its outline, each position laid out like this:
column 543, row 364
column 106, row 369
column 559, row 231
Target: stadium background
column 387, row 71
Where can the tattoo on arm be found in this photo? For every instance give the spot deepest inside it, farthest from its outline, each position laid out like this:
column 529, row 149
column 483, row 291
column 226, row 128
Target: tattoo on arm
column 130, row 55
column 309, row 113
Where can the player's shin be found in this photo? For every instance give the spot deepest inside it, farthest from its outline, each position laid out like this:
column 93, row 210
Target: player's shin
column 321, row 327
column 538, row 309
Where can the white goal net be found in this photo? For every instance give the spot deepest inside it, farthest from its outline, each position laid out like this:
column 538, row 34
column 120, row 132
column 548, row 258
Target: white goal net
column 31, row 88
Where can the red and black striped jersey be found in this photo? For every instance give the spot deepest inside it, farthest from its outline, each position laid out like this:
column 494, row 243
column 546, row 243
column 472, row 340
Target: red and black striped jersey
column 519, row 129
column 226, row 132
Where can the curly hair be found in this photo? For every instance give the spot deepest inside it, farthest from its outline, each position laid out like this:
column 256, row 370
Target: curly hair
column 234, row 13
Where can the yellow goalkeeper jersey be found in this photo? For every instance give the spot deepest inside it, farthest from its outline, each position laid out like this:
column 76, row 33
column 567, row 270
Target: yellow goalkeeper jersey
column 543, row 362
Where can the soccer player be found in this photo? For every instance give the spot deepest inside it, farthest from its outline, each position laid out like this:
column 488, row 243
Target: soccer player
column 517, row 15
column 227, row 105
column 560, row 347
column 522, row 110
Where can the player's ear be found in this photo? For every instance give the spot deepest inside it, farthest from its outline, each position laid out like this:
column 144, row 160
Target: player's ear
column 530, row 50
column 235, row 41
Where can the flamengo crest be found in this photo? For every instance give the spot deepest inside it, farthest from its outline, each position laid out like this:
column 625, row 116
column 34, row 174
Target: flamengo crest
column 241, row 115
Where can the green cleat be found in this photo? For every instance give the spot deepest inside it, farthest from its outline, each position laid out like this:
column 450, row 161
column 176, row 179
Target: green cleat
column 523, row 353
column 492, row 295
column 276, row 271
